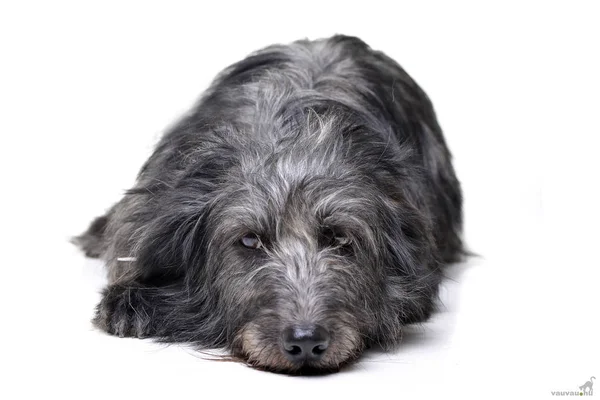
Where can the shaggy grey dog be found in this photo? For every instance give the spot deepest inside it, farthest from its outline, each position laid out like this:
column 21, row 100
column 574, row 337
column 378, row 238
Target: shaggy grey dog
column 304, row 209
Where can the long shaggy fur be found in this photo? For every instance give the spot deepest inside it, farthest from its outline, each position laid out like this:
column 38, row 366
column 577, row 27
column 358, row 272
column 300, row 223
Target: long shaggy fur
column 331, row 154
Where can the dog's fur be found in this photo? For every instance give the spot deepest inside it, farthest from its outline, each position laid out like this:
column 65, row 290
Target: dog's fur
column 332, row 155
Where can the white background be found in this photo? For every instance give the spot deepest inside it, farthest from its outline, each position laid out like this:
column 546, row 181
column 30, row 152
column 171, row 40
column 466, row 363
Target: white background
column 86, row 90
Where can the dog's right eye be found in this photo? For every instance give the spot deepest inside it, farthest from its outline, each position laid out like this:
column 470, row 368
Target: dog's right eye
column 251, row 241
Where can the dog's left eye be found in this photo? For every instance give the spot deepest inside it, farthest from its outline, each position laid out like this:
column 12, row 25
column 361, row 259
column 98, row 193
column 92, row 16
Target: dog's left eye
column 251, row 241
column 331, row 238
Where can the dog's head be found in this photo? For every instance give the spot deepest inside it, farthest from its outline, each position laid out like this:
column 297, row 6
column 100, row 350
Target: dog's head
column 302, row 251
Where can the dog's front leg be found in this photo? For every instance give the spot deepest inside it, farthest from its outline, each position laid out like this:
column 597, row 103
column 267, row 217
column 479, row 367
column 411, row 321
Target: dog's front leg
column 131, row 310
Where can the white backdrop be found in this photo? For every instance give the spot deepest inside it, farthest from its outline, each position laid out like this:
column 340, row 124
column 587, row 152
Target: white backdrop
column 86, row 90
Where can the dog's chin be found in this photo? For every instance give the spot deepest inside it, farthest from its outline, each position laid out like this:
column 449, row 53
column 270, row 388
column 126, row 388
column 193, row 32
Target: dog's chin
column 268, row 355
column 279, row 366
column 307, row 369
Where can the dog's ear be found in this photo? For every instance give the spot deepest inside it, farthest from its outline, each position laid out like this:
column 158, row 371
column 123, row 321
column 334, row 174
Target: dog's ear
column 412, row 266
column 173, row 241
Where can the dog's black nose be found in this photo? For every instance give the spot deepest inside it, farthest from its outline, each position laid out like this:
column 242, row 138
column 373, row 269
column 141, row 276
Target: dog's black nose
column 305, row 343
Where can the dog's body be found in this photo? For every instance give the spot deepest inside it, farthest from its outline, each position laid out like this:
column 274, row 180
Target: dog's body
column 303, row 209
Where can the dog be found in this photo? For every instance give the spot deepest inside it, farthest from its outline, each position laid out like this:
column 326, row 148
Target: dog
column 302, row 211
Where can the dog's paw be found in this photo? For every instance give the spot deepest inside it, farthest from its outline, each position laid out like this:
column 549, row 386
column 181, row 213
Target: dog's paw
column 123, row 312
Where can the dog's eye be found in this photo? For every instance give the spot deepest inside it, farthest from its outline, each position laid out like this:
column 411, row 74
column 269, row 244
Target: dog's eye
column 251, row 241
column 331, row 238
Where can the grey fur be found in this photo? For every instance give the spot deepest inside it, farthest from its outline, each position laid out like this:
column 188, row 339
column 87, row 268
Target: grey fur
column 330, row 153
